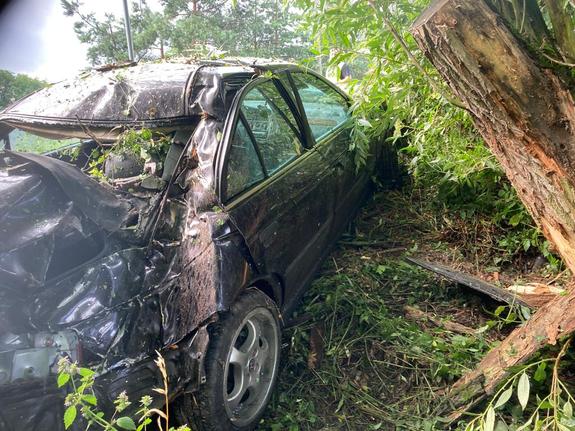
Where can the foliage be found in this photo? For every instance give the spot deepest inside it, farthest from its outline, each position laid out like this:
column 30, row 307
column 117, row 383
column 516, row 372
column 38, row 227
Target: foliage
column 143, row 143
column 262, row 28
column 15, row 86
column 106, row 37
column 379, row 370
column 375, row 360
column 525, row 401
column 82, row 399
column 400, row 91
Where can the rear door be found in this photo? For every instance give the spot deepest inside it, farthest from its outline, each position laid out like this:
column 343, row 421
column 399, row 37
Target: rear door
column 326, row 111
column 276, row 190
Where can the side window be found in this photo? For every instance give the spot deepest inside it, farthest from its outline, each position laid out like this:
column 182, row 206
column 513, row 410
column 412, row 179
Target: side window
column 244, row 168
column 324, row 107
column 273, row 126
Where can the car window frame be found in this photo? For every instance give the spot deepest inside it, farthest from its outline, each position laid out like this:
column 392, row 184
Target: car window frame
column 233, row 116
column 327, row 137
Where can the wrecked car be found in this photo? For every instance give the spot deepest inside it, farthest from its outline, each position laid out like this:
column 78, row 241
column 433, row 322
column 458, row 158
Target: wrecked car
column 171, row 207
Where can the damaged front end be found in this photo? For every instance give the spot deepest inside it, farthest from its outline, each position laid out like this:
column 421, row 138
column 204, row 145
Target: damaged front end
column 111, row 243
column 88, row 271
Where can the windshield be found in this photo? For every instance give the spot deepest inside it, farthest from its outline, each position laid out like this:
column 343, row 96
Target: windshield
column 138, row 158
column 26, row 142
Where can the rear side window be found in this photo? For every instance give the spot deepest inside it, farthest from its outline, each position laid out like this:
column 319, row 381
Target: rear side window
column 324, row 107
column 244, row 167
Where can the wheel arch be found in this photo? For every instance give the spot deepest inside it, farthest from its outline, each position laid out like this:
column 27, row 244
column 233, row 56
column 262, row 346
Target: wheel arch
column 271, row 286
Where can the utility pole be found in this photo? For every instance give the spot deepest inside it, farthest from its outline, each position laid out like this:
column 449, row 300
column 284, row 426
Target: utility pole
column 128, row 31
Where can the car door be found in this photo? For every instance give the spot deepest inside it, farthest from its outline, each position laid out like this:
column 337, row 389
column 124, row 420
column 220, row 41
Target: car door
column 326, row 111
column 276, row 191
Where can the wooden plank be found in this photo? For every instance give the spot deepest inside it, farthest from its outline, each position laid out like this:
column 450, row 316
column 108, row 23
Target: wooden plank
column 481, row 286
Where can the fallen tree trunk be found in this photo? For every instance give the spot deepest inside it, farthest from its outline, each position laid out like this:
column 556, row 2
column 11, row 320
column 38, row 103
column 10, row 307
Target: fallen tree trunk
column 526, row 115
column 551, row 321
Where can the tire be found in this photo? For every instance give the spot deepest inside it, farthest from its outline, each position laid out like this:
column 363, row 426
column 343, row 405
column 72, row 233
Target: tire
column 388, row 168
column 242, row 363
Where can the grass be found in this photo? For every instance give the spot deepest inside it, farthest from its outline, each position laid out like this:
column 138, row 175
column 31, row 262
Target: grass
column 374, row 368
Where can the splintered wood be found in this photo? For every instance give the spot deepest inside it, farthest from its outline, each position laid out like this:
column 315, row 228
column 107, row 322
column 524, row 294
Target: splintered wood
column 527, row 117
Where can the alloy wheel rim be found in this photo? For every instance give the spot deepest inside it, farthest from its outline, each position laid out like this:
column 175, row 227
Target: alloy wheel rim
column 251, row 366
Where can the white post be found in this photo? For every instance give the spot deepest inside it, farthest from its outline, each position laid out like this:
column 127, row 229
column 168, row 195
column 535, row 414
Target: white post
column 128, row 31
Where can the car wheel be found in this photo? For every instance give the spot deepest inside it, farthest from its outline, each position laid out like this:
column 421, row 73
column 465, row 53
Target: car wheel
column 388, row 169
column 241, row 368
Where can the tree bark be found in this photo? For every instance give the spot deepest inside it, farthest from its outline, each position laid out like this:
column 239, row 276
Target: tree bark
column 554, row 319
column 563, row 27
column 527, row 117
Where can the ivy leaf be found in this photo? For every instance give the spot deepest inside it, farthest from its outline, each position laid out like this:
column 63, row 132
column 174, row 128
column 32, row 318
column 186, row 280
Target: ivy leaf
column 503, row 398
column 489, row 423
column 126, row 423
column 523, row 390
column 63, row 378
column 69, row 416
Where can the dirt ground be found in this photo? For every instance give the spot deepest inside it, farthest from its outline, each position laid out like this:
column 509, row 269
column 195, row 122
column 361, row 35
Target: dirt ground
column 357, row 357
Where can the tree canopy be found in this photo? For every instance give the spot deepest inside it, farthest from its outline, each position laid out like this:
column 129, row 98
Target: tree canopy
column 14, row 86
column 264, row 28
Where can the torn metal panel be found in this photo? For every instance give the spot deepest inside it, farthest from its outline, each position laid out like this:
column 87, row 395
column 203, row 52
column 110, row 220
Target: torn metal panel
column 497, row 293
column 101, row 205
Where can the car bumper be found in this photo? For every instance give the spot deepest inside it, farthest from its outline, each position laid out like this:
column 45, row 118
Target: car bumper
column 38, row 405
column 31, row 406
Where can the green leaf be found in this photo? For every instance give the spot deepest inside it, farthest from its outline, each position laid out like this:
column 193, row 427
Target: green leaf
column 501, row 426
column 523, row 390
column 540, row 373
column 90, row 399
column 489, row 424
column 69, row 416
column 503, row 398
column 568, row 410
column 143, row 424
column 63, row 378
column 126, row 423
column 85, row 372
column 516, row 219
column 499, row 310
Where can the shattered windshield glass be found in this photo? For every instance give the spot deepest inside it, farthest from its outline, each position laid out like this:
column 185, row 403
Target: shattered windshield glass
column 29, row 143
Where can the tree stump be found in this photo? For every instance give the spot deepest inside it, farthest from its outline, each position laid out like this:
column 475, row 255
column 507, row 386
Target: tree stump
column 526, row 115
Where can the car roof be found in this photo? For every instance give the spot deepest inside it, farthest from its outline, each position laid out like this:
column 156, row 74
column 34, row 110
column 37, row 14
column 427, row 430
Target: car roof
column 153, row 95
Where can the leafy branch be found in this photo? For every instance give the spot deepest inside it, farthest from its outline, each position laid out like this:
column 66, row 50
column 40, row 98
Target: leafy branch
column 82, row 399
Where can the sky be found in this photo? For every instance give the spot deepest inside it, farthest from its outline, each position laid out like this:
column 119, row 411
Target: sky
column 37, row 39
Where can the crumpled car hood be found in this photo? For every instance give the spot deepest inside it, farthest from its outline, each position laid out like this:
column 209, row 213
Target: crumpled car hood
column 53, row 219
